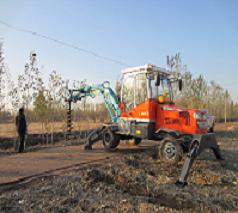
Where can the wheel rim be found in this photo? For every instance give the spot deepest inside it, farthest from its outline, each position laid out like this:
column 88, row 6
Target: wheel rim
column 107, row 138
column 170, row 151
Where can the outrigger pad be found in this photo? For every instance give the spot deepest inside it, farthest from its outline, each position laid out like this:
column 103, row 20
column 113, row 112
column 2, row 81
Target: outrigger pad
column 197, row 146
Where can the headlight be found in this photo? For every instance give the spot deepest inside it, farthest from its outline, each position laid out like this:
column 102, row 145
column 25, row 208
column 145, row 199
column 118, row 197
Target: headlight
column 197, row 115
column 200, row 116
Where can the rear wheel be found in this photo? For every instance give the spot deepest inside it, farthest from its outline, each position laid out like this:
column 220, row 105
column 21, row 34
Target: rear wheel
column 170, row 150
column 110, row 139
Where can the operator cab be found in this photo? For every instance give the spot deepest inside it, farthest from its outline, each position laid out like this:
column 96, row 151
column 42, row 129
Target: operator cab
column 145, row 82
column 146, row 93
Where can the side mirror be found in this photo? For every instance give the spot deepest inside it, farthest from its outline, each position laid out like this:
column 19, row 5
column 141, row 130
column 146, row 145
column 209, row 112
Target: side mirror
column 157, row 83
column 180, row 84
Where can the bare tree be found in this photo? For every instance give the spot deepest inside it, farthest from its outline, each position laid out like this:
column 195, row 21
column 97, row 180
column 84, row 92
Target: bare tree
column 2, row 79
column 6, row 83
column 30, row 82
column 56, row 93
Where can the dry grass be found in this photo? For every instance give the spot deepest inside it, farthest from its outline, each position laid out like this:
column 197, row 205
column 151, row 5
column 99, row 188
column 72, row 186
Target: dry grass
column 230, row 126
column 9, row 129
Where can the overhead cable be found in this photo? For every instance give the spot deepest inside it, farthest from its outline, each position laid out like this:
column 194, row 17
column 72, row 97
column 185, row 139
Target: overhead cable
column 63, row 43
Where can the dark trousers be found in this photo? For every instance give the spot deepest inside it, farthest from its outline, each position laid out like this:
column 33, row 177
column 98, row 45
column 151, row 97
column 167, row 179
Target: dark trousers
column 21, row 141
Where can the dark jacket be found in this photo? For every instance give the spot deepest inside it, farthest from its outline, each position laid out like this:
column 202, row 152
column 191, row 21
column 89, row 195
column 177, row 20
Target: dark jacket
column 21, row 123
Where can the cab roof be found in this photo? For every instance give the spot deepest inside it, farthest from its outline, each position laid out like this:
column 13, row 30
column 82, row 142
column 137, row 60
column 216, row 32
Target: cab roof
column 144, row 68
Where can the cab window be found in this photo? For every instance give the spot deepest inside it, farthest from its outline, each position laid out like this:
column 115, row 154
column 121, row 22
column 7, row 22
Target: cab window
column 128, row 92
column 140, row 88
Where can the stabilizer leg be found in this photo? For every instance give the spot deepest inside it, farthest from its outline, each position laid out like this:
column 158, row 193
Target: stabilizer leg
column 191, row 156
column 217, row 153
column 209, row 141
column 93, row 137
column 198, row 145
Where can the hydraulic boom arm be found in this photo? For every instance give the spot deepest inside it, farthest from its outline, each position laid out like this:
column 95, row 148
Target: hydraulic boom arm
column 110, row 98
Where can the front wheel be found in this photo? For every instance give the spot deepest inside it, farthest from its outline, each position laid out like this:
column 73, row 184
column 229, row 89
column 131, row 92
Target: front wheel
column 170, row 151
column 110, row 139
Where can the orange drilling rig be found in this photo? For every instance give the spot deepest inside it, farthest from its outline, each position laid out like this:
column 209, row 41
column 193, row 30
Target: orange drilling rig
column 145, row 109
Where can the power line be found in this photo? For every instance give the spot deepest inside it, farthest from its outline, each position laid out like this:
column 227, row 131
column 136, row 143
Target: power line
column 63, row 43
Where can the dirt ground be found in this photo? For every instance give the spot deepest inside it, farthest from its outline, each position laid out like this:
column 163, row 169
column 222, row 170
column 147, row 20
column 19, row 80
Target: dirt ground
column 135, row 181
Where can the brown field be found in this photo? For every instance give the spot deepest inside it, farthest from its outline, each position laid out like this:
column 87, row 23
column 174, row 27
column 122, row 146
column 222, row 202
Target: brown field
column 9, row 129
column 129, row 180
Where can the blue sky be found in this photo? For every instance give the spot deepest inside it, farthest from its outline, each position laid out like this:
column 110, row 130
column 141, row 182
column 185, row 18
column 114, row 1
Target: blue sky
column 133, row 31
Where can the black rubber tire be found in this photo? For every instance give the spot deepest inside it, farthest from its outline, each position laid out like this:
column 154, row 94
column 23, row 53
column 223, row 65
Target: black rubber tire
column 170, row 151
column 110, row 139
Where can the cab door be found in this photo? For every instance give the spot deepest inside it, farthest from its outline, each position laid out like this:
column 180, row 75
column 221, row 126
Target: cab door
column 133, row 94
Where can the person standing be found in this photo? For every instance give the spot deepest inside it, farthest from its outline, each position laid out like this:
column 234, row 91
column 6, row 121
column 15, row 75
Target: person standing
column 21, row 129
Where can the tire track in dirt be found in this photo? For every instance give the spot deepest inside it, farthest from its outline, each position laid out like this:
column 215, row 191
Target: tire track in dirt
column 21, row 182
column 20, row 169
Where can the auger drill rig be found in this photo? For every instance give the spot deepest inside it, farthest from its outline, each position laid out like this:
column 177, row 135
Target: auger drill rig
column 145, row 110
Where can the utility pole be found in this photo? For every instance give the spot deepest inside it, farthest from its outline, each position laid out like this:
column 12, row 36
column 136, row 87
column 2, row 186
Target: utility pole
column 226, row 94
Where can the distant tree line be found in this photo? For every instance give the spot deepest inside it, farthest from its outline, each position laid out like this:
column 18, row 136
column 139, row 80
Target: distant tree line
column 44, row 101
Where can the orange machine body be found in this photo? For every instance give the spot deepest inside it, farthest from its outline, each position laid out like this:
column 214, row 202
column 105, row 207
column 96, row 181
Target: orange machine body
column 167, row 116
